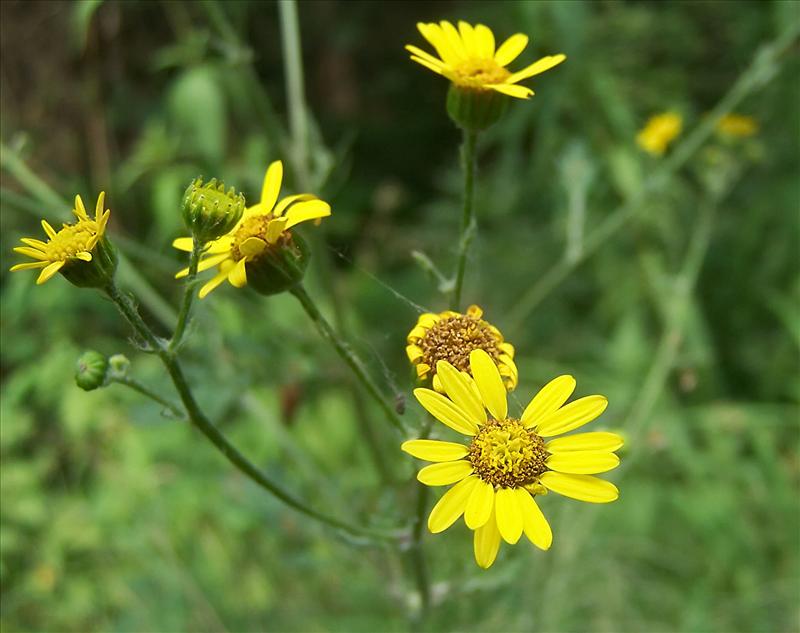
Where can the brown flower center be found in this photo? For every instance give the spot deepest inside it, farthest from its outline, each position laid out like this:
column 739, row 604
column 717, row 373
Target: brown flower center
column 452, row 339
column 505, row 453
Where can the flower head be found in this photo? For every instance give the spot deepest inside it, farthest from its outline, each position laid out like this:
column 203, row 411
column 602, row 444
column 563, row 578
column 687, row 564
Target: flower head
column 78, row 250
column 508, row 461
column 737, row 126
column 261, row 249
column 659, row 132
column 452, row 336
column 468, row 58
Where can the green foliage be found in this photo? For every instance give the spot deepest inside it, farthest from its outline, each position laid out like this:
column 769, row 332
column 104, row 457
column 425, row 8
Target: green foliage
column 115, row 516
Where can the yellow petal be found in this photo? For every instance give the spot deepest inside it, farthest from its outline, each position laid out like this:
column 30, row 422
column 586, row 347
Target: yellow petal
column 479, row 506
column 51, row 232
column 212, row 283
column 545, row 63
column 422, row 370
column 583, row 462
column 98, row 208
column 509, row 515
column 28, row 266
column 271, row 186
column 183, row 244
column 84, row 255
column 534, row 524
column 507, row 349
column 467, row 34
column 49, row 271
column 580, row 487
column 427, row 64
column 446, row 411
column 434, row 450
column 275, row 228
column 80, row 210
column 572, row 415
column 452, row 38
column 237, row 276
column 596, row 441
column 436, row 38
column 31, row 252
column 416, row 334
column 485, row 41
column 490, row 383
column 460, row 391
column 444, row 473
column 426, row 57
column 486, row 542
column 37, row 244
column 518, row 92
column 290, row 200
column 510, row 49
column 548, row 400
column 304, row 211
column 414, row 353
column 451, row 505
column 428, row 320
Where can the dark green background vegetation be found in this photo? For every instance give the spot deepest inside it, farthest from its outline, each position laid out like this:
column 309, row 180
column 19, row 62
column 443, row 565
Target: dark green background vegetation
column 115, row 517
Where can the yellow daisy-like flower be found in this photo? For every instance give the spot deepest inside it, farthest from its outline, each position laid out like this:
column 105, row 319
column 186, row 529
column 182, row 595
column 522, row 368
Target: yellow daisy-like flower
column 659, row 132
column 737, row 126
column 72, row 243
column 263, row 229
column 452, row 336
column 467, row 57
column 508, row 461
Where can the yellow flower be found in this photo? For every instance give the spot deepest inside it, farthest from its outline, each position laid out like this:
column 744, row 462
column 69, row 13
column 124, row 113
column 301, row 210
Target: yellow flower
column 71, row 244
column 737, row 126
column 659, row 132
column 467, row 57
column 262, row 231
column 508, row 461
column 452, row 336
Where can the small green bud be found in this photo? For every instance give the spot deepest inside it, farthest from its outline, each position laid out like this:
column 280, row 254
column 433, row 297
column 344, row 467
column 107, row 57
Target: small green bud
column 280, row 266
column 97, row 273
column 475, row 110
column 119, row 365
column 209, row 211
column 91, row 370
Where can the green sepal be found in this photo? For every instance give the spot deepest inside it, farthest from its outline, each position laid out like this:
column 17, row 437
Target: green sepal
column 280, row 266
column 97, row 273
column 475, row 110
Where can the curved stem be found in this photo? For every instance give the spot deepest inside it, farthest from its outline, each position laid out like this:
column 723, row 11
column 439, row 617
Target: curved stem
column 469, row 226
column 143, row 389
column 204, row 425
column 293, row 66
column 188, row 297
column 347, row 355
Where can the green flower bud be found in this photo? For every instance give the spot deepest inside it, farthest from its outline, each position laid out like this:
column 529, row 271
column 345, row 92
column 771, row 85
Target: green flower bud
column 119, row 365
column 97, row 273
column 475, row 110
column 91, row 370
column 209, row 211
column 280, row 266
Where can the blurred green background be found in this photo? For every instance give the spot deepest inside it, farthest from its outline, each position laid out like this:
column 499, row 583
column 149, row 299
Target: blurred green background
column 685, row 315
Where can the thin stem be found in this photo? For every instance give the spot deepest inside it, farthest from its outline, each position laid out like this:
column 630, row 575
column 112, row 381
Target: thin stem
column 204, row 425
column 143, row 389
column 761, row 70
column 188, row 297
column 416, row 551
column 293, row 69
column 469, row 226
column 347, row 355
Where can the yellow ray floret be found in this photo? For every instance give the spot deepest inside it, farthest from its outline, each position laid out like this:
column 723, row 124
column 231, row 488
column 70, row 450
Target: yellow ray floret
column 451, row 336
column 262, row 227
column 467, row 56
column 659, row 132
column 508, row 461
column 74, row 241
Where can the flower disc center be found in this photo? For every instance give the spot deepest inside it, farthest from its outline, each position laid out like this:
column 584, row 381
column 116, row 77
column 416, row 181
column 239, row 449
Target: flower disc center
column 250, row 239
column 453, row 339
column 504, row 453
column 71, row 240
column 477, row 73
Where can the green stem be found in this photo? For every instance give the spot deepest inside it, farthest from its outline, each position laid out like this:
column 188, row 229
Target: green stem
column 416, row 551
column 761, row 69
column 293, row 67
column 469, row 226
column 188, row 297
column 347, row 355
column 204, row 425
column 143, row 389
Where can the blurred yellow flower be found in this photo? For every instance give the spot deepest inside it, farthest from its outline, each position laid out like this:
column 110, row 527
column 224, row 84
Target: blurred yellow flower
column 263, row 228
column 72, row 243
column 737, row 126
column 507, row 461
column 659, row 132
column 467, row 57
column 452, row 336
